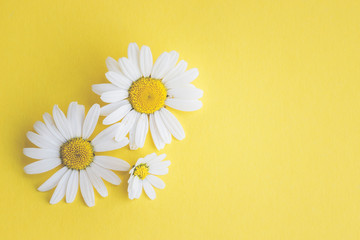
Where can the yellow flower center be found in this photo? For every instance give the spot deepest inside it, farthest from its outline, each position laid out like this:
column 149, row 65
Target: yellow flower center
column 141, row 170
column 147, row 95
column 77, row 153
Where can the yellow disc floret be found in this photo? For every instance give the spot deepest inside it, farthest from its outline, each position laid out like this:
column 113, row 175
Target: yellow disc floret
column 147, row 95
column 77, row 153
column 141, row 170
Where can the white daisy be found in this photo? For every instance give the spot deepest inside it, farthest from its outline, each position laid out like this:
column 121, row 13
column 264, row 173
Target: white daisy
column 141, row 175
column 65, row 141
column 140, row 90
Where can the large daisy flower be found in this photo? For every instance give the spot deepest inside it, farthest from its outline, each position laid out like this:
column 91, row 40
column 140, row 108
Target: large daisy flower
column 142, row 175
column 64, row 141
column 139, row 92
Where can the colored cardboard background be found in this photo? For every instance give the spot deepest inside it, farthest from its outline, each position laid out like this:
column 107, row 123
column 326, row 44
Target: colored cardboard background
column 273, row 154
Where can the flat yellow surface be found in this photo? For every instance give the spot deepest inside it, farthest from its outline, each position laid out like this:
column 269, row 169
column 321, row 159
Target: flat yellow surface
column 273, row 154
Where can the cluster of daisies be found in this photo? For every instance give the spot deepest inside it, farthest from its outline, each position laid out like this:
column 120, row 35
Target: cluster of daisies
column 137, row 95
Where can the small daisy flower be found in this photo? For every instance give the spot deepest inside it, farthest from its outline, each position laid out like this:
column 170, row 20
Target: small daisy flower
column 142, row 175
column 139, row 91
column 64, row 141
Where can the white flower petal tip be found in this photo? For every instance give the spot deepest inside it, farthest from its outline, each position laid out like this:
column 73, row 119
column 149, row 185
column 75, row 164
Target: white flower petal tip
column 187, row 93
column 99, row 89
column 133, row 54
column 112, row 64
column 41, row 153
column 184, row 105
column 130, row 70
column 146, row 61
column 59, row 141
column 90, row 121
column 112, row 163
column 42, row 166
column 140, row 88
column 110, row 145
column 142, row 176
column 118, row 79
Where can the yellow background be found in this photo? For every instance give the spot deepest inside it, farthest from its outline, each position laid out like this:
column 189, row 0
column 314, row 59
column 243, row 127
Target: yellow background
column 273, row 154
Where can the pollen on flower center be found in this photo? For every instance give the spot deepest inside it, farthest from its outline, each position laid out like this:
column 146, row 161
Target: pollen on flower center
column 77, row 153
column 141, row 170
column 147, row 95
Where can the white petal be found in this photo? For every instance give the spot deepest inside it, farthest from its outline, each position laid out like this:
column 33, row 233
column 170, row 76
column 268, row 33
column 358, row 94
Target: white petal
column 130, row 187
column 151, row 157
column 71, row 116
column 114, row 96
column 53, row 180
column 112, row 163
column 80, row 120
column 126, row 124
column 159, row 143
column 132, row 132
column 75, row 118
column 163, row 131
column 148, row 158
column 139, row 161
column 158, row 159
column 189, row 85
column 107, row 109
column 172, row 124
column 117, row 115
column 86, row 189
column 129, row 70
column 159, row 165
column 43, row 131
column 136, row 188
column 62, row 123
column 106, row 134
column 149, row 190
column 132, row 144
column 161, row 65
column 135, row 183
column 131, row 176
column 41, row 141
column 119, row 80
column 141, row 130
column 162, row 171
column 52, row 128
column 146, row 61
column 185, row 93
column 173, row 57
column 72, row 186
column 42, row 166
column 101, row 88
column 106, row 174
column 155, row 181
column 41, row 153
column 110, row 144
column 112, row 64
column 183, row 78
column 133, row 54
column 97, row 182
column 139, row 190
column 91, row 120
column 60, row 190
column 183, row 105
column 179, row 69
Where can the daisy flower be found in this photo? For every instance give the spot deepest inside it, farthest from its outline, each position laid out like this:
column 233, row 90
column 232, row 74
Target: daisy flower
column 139, row 91
column 64, row 141
column 141, row 175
